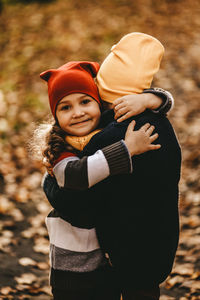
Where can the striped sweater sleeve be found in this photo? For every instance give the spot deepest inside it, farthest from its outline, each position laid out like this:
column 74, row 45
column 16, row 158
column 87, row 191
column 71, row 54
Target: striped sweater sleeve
column 167, row 99
column 81, row 174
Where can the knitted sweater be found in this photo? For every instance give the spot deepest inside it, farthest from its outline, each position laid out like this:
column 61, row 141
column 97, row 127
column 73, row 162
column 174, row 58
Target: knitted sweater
column 74, row 248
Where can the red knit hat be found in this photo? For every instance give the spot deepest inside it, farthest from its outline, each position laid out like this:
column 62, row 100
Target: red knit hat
column 73, row 77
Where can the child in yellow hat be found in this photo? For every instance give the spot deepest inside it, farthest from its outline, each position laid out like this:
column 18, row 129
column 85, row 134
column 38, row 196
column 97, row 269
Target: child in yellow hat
column 129, row 70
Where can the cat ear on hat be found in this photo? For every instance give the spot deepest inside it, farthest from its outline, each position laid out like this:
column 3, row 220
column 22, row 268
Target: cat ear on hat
column 46, row 74
column 91, row 67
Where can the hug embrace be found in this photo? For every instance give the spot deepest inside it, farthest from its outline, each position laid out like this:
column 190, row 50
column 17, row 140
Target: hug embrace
column 113, row 162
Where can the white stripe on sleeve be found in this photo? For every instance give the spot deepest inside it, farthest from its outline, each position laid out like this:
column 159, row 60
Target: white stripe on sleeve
column 98, row 168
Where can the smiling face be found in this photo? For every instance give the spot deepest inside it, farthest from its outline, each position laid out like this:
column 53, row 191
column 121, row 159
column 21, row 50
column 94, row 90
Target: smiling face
column 78, row 114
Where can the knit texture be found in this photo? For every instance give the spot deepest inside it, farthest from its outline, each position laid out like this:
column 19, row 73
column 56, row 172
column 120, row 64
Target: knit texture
column 73, row 77
column 130, row 66
column 116, row 156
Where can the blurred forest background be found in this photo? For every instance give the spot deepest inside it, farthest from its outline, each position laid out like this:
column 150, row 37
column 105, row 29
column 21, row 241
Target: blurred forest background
column 38, row 35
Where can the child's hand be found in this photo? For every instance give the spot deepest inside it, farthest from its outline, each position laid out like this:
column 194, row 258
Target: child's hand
column 131, row 105
column 141, row 140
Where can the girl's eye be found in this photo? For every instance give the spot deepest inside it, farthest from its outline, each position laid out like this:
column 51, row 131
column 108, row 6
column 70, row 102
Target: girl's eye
column 65, row 107
column 86, row 101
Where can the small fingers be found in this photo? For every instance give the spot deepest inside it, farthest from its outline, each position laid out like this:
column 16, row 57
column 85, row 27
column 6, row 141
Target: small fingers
column 131, row 126
column 154, row 147
column 118, row 106
column 150, row 130
column 124, row 117
column 154, row 137
column 145, row 126
column 121, row 111
column 117, row 102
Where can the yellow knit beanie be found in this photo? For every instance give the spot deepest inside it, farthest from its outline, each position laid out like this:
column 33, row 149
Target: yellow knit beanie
column 130, row 67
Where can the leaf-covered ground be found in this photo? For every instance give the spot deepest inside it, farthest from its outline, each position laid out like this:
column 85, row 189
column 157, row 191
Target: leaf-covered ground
column 37, row 35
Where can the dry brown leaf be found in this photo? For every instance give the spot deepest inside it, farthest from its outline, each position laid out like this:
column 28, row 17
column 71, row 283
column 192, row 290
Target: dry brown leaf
column 33, row 181
column 26, row 278
column 171, row 282
column 47, row 290
column 22, row 287
column 43, row 207
column 181, row 252
column 37, row 220
column 41, row 245
column 6, row 290
column 17, row 214
column 22, row 195
column 5, row 205
column 194, row 285
column 196, row 275
column 27, row 261
column 192, row 240
column 190, row 258
column 29, row 233
column 5, row 239
column 34, row 289
column 186, row 269
column 43, row 265
column 11, row 188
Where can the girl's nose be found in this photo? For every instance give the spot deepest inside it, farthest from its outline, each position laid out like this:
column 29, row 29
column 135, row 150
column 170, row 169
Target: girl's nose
column 78, row 112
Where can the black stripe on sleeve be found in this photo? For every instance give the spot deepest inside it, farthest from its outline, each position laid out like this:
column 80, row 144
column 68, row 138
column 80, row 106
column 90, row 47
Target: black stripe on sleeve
column 76, row 176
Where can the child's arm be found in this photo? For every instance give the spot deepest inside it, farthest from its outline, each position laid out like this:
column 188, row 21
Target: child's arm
column 81, row 174
column 156, row 99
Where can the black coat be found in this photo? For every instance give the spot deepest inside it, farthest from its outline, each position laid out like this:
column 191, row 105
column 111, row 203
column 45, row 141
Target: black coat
column 135, row 215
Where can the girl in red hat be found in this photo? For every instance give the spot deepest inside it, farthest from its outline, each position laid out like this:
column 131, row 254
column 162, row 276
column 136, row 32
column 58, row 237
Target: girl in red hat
column 79, row 268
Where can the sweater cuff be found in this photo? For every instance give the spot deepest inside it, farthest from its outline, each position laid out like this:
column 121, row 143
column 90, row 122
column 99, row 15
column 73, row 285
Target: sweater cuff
column 167, row 99
column 118, row 158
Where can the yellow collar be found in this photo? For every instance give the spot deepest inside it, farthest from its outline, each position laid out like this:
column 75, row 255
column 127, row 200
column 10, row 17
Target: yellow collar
column 79, row 142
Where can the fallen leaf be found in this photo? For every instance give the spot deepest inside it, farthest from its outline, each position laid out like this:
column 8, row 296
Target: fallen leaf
column 191, row 284
column 27, row 261
column 22, row 195
column 29, row 233
column 5, row 205
column 47, row 290
column 43, row 265
column 183, row 269
column 17, row 214
column 26, row 278
column 173, row 281
column 6, row 290
column 41, row 245
column 33, row 181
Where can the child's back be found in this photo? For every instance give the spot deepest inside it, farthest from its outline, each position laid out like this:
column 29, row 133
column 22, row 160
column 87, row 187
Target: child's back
column 138, row 222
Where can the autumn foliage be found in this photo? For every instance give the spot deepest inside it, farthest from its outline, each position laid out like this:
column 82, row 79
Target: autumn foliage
column 38, row 35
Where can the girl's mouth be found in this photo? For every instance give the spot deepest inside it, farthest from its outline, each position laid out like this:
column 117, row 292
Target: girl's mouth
column 80, row 122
